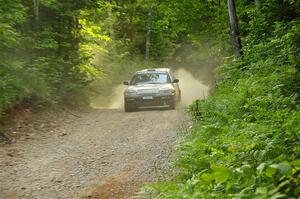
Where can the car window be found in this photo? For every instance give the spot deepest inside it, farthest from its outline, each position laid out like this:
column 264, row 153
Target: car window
column 150, row 78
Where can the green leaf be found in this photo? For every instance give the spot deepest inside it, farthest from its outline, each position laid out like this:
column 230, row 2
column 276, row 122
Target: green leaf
column 261, row 167
column 207, row 177
column 278, row 195
column 284, row 168
column 295, row 163
column 262, row 190
column 221, row 173
column 270, row 172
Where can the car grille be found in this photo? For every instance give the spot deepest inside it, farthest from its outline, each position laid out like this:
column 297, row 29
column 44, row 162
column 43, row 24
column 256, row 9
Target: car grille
column 147, row 91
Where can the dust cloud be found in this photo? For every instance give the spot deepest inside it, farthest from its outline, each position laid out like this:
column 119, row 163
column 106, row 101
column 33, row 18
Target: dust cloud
column 191, row 89
column 117, row 98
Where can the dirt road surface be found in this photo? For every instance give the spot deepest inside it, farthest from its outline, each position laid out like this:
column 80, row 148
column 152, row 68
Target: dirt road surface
column 100, row 154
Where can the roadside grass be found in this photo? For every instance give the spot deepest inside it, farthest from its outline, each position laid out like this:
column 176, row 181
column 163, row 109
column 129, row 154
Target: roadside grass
column 245, row 142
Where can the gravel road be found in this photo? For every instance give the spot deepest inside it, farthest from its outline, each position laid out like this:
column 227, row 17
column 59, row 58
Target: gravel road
column 98, row 154
column 101, row 153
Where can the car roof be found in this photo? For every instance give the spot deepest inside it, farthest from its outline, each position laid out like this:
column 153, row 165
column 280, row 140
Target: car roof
column 153, row 70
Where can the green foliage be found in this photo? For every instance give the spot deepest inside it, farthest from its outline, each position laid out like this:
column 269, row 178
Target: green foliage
column 174, row 26
column 178, row 23
column 70, row 44
column 12, row 14
column 245, row 143
column 49, row 56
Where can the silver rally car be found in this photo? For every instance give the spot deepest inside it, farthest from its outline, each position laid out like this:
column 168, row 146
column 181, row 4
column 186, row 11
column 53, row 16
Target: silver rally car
column 152, row 88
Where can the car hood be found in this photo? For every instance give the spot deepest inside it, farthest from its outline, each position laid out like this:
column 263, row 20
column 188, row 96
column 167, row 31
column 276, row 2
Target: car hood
column 149, row 88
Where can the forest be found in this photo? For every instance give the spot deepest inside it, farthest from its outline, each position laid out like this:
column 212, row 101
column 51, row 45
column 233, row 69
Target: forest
column 245, row 137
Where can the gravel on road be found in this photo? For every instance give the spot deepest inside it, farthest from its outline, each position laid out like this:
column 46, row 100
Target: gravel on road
column 101, row 153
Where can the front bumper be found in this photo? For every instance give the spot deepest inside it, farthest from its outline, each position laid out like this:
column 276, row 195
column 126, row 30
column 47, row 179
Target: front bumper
column 148, row 101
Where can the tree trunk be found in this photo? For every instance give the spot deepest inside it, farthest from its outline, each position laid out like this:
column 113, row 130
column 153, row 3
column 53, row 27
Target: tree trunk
column 36, row 8
column 257, row 3
column 149, row 29
column 234, row 29
column 110, row 21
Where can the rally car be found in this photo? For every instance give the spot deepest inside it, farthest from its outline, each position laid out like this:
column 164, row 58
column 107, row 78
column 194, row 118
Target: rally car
column 152, row 88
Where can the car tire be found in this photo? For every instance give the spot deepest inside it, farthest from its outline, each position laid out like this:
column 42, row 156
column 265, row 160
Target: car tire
column 128, row 108
column 172, row 105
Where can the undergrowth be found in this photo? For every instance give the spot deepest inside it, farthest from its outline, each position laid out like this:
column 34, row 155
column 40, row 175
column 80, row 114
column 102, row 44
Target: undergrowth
column 245, row 143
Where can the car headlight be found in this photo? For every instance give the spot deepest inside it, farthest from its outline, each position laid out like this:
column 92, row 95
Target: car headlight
column 167, row 92
column 130, row 93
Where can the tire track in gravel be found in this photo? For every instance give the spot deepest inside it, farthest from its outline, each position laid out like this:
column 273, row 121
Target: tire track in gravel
column 102, row 154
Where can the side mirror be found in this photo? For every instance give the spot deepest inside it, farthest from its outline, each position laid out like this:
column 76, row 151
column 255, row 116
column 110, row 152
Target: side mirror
column 175, row 80
column 126, row 83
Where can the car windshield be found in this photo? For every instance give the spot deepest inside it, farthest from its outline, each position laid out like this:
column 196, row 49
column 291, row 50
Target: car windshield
column 151, row 78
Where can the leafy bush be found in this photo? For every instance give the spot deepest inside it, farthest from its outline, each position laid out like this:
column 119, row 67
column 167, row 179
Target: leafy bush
column 48, row 56
column 245, row 143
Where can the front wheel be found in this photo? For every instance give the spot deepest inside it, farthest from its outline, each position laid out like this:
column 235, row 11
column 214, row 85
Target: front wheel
column 128, row 108
column 172, row 105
